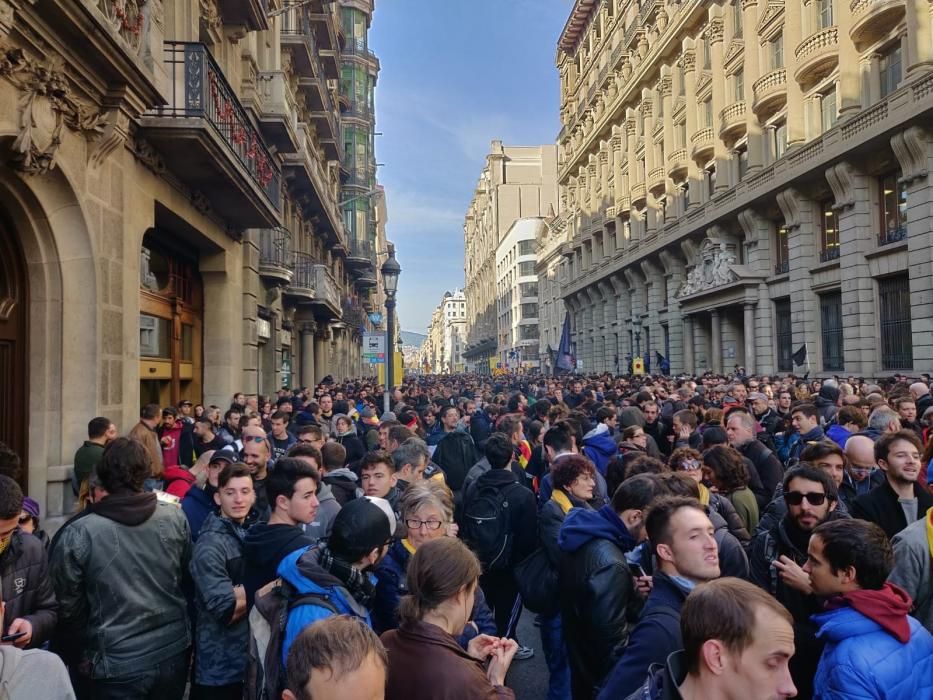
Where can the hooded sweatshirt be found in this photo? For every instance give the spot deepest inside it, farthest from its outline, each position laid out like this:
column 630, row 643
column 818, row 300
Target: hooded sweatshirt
column 343, row 484
column 264, row 547
column 581, row 526
column 33, row 674
column 599, row 446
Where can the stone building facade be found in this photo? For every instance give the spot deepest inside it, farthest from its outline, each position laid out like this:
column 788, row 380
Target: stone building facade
column 442, row 350
column 517, row 295
column 171, row 179
column 742, row 178
column 517, row 182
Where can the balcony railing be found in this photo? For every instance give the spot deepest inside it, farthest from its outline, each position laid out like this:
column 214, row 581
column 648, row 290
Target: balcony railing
column 362, row 250
column 199, row 89
column 828, row 254
column 892, row 235
column 782, row 267
column 769, row 86
column 732, row 118
column 324, row 286
column 275, row 247
column 303, row 266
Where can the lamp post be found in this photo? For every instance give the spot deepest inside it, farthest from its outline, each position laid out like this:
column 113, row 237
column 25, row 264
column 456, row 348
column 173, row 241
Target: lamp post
column 390, row 272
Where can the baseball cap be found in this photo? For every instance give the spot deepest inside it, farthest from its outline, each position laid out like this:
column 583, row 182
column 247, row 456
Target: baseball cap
column 757, row 396
column 225, row 454
column 360, row 526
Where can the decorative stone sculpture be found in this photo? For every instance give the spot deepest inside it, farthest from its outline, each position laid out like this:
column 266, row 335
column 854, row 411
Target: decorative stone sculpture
column 713, row 269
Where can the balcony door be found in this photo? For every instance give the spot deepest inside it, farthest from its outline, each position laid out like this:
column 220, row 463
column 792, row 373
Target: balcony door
column 13, row 346
column 170, row 324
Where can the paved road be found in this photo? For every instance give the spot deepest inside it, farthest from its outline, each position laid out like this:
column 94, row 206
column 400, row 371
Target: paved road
column 529, row 678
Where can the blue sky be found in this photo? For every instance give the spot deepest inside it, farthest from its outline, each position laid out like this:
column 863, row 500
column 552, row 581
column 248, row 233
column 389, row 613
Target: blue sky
column 455, row 74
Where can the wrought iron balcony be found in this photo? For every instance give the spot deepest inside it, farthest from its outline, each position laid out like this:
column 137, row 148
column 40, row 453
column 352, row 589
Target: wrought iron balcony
column 892, row 235
column 206, row 139
column 782, row 267
column 249, row 13
column 307, row 173
column 275, row 255
column 362, row 254
column 301, row 289
column 353, row 315
column 327, row 298
column 830, row 253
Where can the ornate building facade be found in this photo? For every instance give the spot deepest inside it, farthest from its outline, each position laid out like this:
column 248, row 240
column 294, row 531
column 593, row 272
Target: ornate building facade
column 741, row 178
column 172, row 179
column 517, row 182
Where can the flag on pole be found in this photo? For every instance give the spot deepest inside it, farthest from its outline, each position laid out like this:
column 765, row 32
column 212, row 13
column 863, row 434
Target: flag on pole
column 566, row 362
column 664, row 366
column 800, row 357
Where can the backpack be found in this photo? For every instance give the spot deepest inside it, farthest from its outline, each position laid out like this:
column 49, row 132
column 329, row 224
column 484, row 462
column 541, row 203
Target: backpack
column 537, row 583
column 265, row 673
column 487, row 527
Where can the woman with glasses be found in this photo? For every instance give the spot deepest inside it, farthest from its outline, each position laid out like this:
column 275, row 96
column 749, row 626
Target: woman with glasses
column 427, row 511
column 724, row 467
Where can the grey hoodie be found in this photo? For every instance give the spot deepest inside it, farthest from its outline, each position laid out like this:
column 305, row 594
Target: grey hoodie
column 33, row 674
column 326, row 512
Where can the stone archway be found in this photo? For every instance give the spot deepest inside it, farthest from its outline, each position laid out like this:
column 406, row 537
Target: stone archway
column 62, row 388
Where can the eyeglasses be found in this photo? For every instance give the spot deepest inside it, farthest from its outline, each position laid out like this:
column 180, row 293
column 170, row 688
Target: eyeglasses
column 690, row 465
column 415, row 524
column 795, row 498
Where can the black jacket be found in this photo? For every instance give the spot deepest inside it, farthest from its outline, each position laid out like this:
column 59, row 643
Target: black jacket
column 771, row 421
column 522, row 511
column 27, row 587
column 881, row 507
column 456, row 454
column 768, row 468
column 659, row 430
column 599, row 603
column 264, row 547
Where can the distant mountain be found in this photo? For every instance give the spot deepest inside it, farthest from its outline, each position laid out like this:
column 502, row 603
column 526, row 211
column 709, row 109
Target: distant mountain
column 409, row 338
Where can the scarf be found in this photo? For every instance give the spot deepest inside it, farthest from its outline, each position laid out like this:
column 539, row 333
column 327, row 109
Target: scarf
column 357, row 583
column 561, row 499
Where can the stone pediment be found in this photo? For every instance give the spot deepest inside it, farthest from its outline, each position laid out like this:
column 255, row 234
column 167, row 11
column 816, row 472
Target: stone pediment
column 716, row 266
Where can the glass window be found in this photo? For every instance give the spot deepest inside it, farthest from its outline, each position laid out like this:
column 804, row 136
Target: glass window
column 529, row 311
column 707, row 53
column 155, row 336
column 187, row 342
column 778, row 141
column 526, row 247
column 890, row 69
column 828, row 109
column 742, row 157
column 777, row 52
column 526, row 269
column 831, row 331
column 781, row 252
column 708, row 112
column 737, row 18
column 738, row 85
column 824, row 9
column 784, row 335
column 894, row 302
column 893, row 208
column 829, row 233
column 681, row 132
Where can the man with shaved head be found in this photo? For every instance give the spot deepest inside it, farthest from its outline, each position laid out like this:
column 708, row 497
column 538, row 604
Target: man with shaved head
column 861, row 474
column 921, row 394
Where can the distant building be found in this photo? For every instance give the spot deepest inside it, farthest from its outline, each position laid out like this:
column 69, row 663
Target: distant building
column 442, row 352
column 517, row 182
column 517, row 295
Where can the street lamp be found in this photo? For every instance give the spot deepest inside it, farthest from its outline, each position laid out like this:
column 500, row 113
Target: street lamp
column 390, row 272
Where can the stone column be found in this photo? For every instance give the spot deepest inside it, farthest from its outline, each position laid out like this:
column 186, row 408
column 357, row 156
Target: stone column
column 752, row 73
column 857, row 224
column 596, row 309
column 766, row 353
column 914, row 150
column 251, row 290
column 688, row 58
column 793, row 35
column 321, row 351
column 306, row 341
column 919, row 37
column 849, row 94
column 715, row 35
column 801, row 218
column 748, row 332
column 715, row 341
column 689, row 363
column 674, row 270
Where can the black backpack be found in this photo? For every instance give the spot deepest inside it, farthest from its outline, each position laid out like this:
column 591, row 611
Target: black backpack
column 487, row 526
column 265, row 673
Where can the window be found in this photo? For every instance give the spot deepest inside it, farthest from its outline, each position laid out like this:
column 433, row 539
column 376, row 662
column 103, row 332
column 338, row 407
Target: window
column 894, row 313
column 776, row 49
column 893, row 209
column 890, row 66
column 781, row 252
column 829, row 233
column 831, row 331
column 526, row 247
column 710, row 174
column 529, row 311
column 824, row 10
column 784, row 336
column 828, row 109
column 737, row 18
column 526, row 269
column 681, row 135
column 738, row 85
column 742, row 161
column 778, row 140
column 528, row 289
column 708, row 112
column 707, row 53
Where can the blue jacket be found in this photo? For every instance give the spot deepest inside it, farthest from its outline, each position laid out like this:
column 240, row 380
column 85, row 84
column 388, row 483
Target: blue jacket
column 599, row 447
column 197, row 504
column 391, row 586
column 862, row 660
column 838, row 434
column 655, row 637
column 301, row 570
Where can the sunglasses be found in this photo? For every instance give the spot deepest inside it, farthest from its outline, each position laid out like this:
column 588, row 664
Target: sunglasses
column 254, row 438
column 795, row 498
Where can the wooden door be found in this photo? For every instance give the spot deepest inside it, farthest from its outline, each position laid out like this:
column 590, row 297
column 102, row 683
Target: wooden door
column 13, row 330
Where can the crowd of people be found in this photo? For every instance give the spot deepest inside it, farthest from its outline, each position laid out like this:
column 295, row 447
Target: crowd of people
column 747, row 537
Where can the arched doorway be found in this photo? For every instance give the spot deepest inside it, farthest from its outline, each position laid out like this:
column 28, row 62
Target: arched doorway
column 13, row 335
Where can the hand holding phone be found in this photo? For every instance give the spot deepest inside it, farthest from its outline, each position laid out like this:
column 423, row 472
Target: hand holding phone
column 12, row 637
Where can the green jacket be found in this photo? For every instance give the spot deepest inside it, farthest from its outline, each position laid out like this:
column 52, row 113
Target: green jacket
column 86, row 460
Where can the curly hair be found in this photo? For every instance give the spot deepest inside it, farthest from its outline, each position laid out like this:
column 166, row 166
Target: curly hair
column 569, row 468
column 681, row 455
column 728, row 468
column 645, row 465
